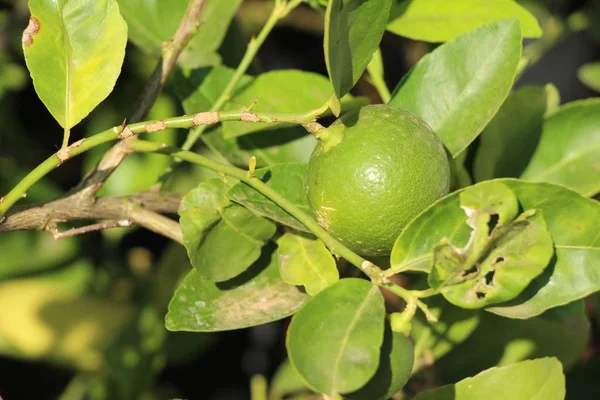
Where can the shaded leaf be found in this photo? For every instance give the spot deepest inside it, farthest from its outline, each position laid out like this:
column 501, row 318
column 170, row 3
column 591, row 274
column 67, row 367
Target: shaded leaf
column 334, row 341
column 67, row 46
column 282, row 91
column 589, row 74
column 153, row 22
column 222, row 239
column 509, row 140
column 572, row 221
column 441, row 20
column 569, row 148
column 353, row 30
column 561, row 332
column 531, row 379
column 286, row 179
column 256, row 297
column 395, row 366
column 459, row 86
column 305, row 261
column 286, row 381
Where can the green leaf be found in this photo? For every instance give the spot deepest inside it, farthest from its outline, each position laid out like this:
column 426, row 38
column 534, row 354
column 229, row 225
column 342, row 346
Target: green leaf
column 222, row 239
column 561, row 332
column 509, row 140
column 569, row 148
column 458, row 87
column 334, row 341
column 499, row 261
column 282, row 91
column 435, row 340
column 531, row 379
column 353, row 30
column 286, row 381
column 441, row 20
column 68, row 45
column 589, row 74
column 256, row 297
column 305, row 261
column 286, row 179
column 153, row 22
column 571, row 219
column 395, row 366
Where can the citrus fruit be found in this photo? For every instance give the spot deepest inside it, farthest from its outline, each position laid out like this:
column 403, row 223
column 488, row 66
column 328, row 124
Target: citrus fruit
column 388, row 167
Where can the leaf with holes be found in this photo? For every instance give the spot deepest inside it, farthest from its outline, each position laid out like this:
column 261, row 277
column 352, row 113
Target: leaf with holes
column 569, row 148
column 571, row 219
column 67, row 46
column 500, row 258
column 353, row 30
column 288, row 180
column 223, row 239
column 334, row 341
column 305, row 261
column 256, row 297
column 459, row 86
column 442, row 20
column 542, row 378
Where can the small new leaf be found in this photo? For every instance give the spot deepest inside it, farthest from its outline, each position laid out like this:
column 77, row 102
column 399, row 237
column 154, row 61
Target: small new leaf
column 304, row 260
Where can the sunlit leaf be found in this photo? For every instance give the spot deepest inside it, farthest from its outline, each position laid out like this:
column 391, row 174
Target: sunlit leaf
column 459, row 86
column 589, row 74
column 569, row 148
column 334, row 341
column 68, row 45
column 442, row 20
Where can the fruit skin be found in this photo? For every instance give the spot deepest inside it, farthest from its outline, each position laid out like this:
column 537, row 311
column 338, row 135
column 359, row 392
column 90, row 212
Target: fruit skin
column 388, row 168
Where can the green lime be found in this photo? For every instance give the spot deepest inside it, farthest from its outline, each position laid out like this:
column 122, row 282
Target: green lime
column 388, row 167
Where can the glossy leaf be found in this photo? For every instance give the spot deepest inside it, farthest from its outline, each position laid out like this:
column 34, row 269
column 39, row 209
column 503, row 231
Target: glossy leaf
column 222, row 238
column 570, row 219
column 286, row 179
column 353, row 30
column 305, row 261
column 67, row 46
column 153, row 22
column 561, row 332
column 395, row 366
column 569, row 148
column 334, row 341
column 256, row 297
column 509, row 140
column 542, row 378
column 589, row 74
column 277, row 91
column 459, row 86
column 441, row 20
column 499, row 261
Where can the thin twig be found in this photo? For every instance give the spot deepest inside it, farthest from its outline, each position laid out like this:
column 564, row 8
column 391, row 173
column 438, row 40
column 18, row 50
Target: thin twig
column 170, row 52
column 122, row 223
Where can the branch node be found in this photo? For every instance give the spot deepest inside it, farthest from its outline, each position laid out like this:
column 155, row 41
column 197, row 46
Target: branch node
column 249, row 117
column 206, row 118
column 155, row 126
column 125, row 133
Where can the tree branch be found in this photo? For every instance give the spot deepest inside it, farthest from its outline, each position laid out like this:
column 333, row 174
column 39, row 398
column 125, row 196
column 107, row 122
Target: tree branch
column 142, row 209
column 170, row 52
